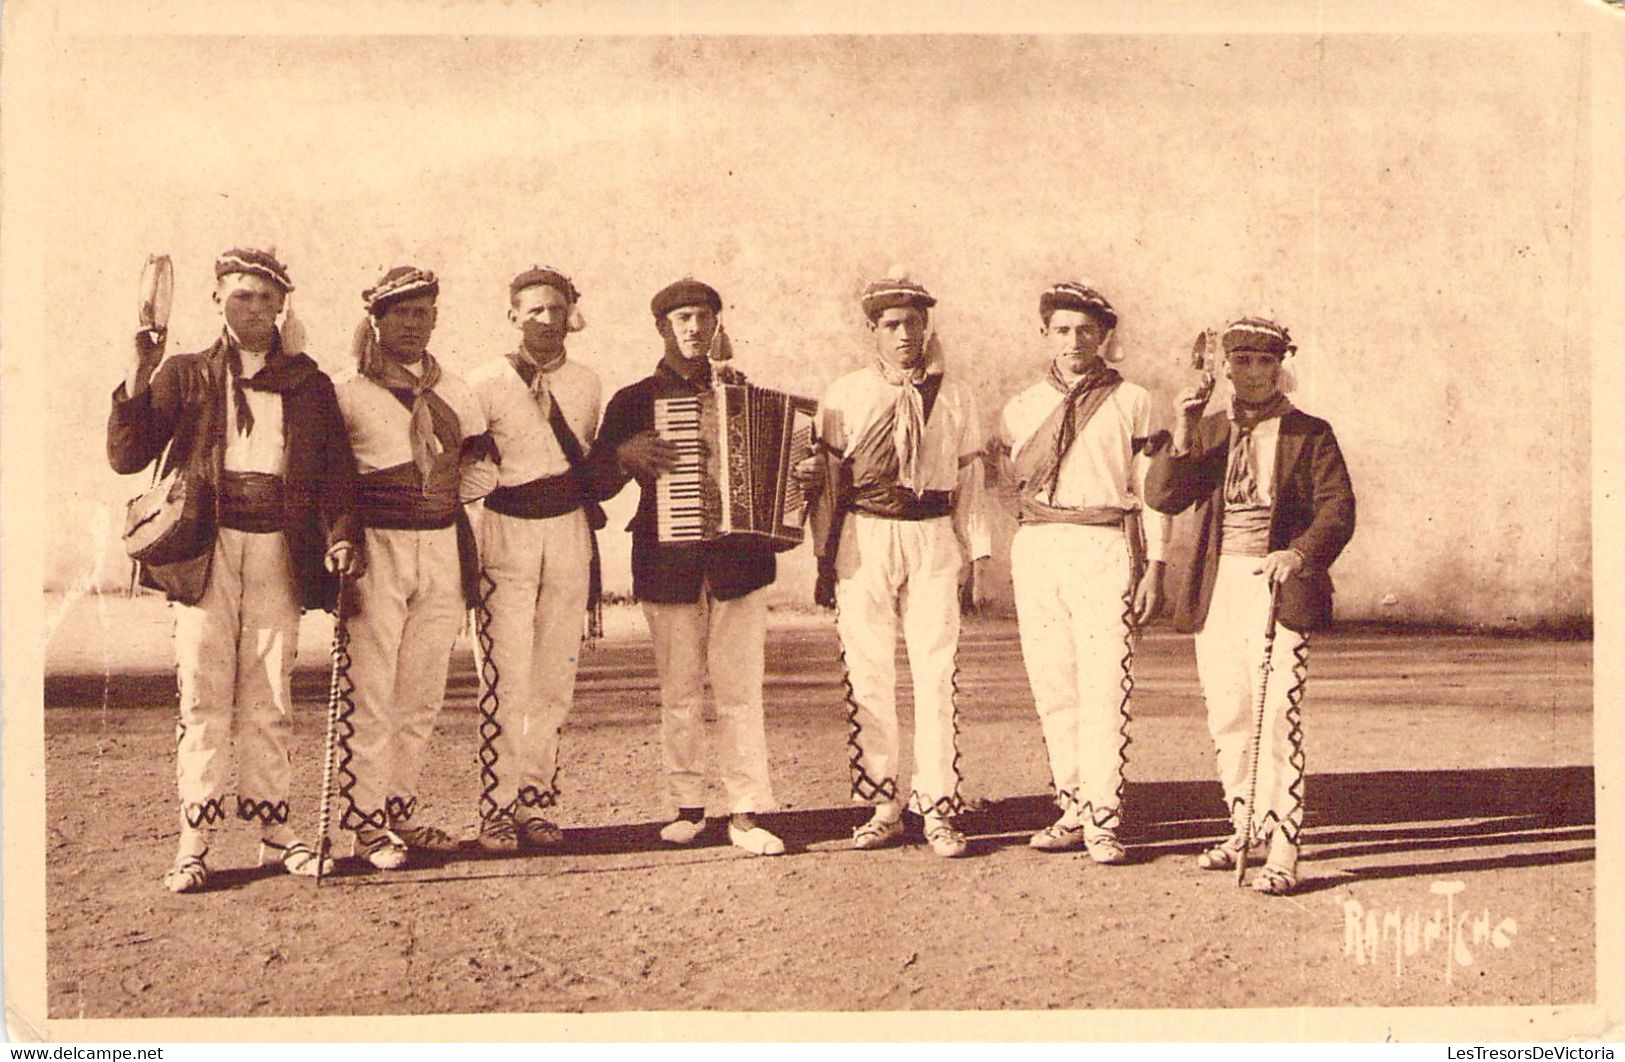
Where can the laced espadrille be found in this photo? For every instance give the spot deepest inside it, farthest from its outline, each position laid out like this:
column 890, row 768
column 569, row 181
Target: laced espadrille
column 877, row 833
column 537, row 832
column 427, row 838
column 297, row 858
column 382, row 848
column 944, row 838
column 188, row 874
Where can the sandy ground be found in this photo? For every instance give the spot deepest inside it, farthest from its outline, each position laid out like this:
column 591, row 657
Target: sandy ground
column 1433, row 760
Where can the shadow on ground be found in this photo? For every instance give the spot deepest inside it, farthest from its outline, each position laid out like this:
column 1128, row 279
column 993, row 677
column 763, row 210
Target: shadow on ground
column 1373, row 814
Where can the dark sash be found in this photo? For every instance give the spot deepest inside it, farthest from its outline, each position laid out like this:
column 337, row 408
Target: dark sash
column 573, row 456
column 251, row 501
column 1038, row 462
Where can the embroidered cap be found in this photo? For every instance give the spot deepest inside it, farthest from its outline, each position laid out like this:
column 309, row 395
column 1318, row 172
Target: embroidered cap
column 255, row 263
column 892, row 292
column 547, row 275
column 1071, row 295
column 685, row 292
column 402, row 282
column 1257, row 334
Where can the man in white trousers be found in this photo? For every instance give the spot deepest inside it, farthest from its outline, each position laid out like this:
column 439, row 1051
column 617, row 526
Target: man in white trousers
column 538, row 558
column 901, row 483
column 1086, row 575
column 705, row 602
column 412, row 427
column 1274, row 509
column 259, row 424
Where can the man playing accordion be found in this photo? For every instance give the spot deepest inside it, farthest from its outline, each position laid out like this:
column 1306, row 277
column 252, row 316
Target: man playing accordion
column 704, row 601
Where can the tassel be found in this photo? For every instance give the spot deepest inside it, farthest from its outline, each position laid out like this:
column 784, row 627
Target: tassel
column 293, row 330
column 935, row 361
column 1108, row 349
column 595, row 596
column 364, row 346
column 722, row 348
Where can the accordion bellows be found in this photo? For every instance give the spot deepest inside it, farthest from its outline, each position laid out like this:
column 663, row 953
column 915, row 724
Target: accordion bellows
column 736, row 445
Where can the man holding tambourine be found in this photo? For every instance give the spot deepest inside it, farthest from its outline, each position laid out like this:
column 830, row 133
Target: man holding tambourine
column 1274, row 509
column 253, row 434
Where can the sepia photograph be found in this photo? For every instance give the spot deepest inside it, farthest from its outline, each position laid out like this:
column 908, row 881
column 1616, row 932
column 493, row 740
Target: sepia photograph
column 703, row 523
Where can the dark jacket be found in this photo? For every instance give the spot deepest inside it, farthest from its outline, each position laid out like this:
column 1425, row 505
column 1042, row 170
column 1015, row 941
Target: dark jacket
column 1312, row 512
column 670, row 574
column 318, row 468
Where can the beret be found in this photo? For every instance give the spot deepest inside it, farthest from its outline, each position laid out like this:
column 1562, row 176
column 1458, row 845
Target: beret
column 1070, row 295
column 547, row 275
column 1257, row 333
column 887, row 294
column 254, row 262
column 685, row 292
column 402, row 282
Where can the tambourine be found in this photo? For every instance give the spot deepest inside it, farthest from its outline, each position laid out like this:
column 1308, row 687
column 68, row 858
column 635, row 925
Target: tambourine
column 157, row 293
column 1205, row 355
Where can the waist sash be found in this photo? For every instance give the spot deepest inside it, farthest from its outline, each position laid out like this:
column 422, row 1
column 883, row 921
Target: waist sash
column 1033, row 511
column 891, row 502
column 398, row 499
column 251, row 501
column 540, row 498
column 1246, row 531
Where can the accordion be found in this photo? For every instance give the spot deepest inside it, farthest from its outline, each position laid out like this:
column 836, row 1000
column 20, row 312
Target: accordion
column 736, row 445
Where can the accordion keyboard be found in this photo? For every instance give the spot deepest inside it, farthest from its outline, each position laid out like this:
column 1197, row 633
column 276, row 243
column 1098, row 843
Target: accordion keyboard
column 679, row 494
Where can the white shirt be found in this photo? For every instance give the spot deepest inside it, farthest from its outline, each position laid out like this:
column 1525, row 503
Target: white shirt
column 521, row 430
column 949, row 449
column 1100, row 468
column 261, row 450
column 381, row 427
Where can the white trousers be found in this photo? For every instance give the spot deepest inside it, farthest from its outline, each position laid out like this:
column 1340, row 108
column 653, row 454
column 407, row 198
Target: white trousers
column 535, row 576
column 234, row 655
column 1072, row 603
column 886, row 571
column 1229, row 659
column 724, row 640
column 411, row 607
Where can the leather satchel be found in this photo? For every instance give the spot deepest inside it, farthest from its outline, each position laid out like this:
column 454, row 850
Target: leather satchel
column 170, row 521
column 169, row 528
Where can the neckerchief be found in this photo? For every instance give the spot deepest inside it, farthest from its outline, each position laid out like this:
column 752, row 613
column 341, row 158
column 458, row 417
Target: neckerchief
column 908, row 422
column 1241, row 481
column 281, row 373
column 417, row 394
column 536, row 374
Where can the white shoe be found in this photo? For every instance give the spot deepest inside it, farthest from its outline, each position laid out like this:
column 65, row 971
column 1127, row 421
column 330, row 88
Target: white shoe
column 944, row 838
column 1064, row 835
column 297, row 858
column 755, row 840
column 187, row 875
column 681, row 831
column 878, row 832
column 382, row 848
column 1103, row 846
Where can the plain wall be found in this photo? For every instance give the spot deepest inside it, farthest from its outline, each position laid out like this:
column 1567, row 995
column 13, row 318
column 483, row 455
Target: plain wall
column 1414, row 209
